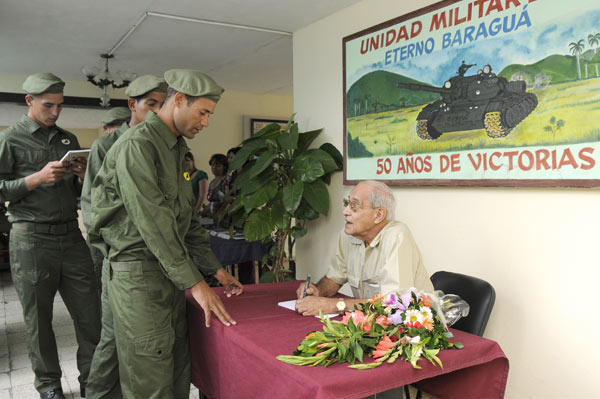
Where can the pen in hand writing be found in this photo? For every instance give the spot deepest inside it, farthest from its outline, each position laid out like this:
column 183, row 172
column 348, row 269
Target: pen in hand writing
column 306, row 286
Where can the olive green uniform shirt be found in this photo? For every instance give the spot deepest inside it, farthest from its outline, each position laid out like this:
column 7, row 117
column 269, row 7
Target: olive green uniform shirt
column 142, row 205
column 99, row 149
column 392, row 262
column 25, row 148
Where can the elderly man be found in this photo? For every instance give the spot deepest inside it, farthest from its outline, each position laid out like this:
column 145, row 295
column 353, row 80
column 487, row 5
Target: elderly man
column 146, row 93
column 47, row 250
column 143, row 221
column 375, row 254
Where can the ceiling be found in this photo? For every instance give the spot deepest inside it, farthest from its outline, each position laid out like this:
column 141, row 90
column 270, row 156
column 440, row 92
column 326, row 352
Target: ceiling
column 65, row 35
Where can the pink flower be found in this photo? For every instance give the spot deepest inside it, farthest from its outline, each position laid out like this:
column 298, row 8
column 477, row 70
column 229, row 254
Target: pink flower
column 347, row 316
column 382, row 321
column 384, row 345
column 358, row 317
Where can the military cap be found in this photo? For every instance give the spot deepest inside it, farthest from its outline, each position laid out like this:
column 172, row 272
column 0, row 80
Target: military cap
column 145, row 84
column 194, row 83
column 41, row 83
column 117, row 116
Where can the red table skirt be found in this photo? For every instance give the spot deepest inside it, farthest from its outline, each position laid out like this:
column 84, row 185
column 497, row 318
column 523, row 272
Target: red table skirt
column 240, row 361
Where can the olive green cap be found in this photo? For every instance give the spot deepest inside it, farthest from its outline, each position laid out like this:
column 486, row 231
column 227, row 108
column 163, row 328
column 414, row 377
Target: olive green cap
column 41, row 83
column 145, row 84
column 117, row 116
column 194, row 83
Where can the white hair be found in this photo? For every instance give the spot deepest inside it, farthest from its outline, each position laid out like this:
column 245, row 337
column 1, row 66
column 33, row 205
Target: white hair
column 382, row 197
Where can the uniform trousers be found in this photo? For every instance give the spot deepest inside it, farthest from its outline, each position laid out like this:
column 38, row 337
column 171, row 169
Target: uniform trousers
column 103, row 382
column 41, row 265
column 97, row 259
column 151, row 332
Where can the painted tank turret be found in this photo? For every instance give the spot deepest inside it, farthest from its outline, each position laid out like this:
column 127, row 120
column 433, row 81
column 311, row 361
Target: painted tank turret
column 481, row 101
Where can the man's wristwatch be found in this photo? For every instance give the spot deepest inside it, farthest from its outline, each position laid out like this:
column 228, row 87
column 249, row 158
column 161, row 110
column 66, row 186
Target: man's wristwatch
column 341, row 305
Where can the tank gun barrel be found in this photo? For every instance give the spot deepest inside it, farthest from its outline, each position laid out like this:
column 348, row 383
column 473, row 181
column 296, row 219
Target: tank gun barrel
column 417, row 86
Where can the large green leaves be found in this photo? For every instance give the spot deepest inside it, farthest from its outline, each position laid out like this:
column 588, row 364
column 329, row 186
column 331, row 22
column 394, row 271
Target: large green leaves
column 262, row 163
column 259, row 225
column 318, row 155
column 306, row 138
column 261, row 196
column 334, row 153
column 317, row 196
column 289, row 140
column 305, row 169
column 249, row 147
column 292, row 194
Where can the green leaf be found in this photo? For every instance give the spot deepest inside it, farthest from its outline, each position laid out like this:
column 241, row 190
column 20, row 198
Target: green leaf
column 259, row 198
column 328, row 163
column 262, row 163
column 267, row 130
column 334, row 153
column 279, row 215
column 358, row 351
column 307, row 170
column 305, row 212
column 317, row 196
column 239, row 218
column 235, row 206
column 298, row 232
column 249, row 147
column 292, row 194
column 458, row 345
column 259, row 225
column 267, row 277
column 289, row 140
column 306, row 138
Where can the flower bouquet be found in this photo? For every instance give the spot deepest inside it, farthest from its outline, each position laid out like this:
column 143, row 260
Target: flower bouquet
column 408, row 326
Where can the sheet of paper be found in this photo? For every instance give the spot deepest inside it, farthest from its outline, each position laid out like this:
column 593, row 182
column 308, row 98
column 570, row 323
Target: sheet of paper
column 291, row 305
column 70, row 155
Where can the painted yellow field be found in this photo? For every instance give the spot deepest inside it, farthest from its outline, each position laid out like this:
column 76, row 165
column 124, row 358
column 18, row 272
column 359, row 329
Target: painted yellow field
column 566, row 113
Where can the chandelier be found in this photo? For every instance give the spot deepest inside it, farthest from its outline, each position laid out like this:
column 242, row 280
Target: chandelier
column 103, row 79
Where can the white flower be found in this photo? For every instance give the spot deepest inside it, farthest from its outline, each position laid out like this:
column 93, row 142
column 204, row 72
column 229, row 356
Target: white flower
column 412, row 316
column 426, row 312
column 414, row 340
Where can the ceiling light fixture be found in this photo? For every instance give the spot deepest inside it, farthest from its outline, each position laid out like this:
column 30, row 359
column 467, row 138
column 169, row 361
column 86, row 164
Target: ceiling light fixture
column 103, row 78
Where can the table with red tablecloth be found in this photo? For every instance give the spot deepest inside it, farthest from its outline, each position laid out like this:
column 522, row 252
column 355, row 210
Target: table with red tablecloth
column 240, row 361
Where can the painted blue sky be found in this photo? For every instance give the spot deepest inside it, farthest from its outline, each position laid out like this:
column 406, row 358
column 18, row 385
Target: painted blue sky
column 525, row 46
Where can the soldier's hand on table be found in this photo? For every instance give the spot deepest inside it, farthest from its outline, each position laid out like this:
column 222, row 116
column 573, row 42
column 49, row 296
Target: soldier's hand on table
column 231, row 284
column 77, row 167
column 312, row 290
column 311, row 305
column 210, row 303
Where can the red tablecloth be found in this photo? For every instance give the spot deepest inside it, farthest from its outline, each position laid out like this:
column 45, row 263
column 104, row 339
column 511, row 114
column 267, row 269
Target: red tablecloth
column 240, row 361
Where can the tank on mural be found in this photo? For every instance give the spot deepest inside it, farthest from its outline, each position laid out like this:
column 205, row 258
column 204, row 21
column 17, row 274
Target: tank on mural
column 481, row 101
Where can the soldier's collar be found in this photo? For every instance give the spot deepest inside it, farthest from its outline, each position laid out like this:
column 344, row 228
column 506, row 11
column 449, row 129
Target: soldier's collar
column 163, row 130
column 31, row 126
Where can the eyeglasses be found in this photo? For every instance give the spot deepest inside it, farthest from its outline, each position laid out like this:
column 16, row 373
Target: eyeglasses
column 355, row 205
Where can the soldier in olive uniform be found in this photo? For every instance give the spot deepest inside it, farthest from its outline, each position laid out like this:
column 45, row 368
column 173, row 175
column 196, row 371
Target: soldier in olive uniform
column 47, row 250
column 114, row 118
column 143, row 220
column 146, row 93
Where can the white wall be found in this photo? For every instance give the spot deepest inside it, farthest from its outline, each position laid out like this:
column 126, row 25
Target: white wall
column 537, row 247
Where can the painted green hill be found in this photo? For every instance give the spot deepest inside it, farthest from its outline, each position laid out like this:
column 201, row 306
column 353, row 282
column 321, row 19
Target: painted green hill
column 377, row 92
column 558, row 68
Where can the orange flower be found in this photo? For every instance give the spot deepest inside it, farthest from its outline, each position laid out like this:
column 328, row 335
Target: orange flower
column 376, row 298
column 426, row 300
column 382, row 321
column 312, row 334
column 428, row 324
column 384, row 345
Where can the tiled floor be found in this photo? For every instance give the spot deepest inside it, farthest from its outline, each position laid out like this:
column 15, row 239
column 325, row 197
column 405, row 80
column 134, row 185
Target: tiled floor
column 16, row 377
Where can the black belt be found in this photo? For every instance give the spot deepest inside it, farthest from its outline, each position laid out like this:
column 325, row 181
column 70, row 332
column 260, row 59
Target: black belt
column 54, row 229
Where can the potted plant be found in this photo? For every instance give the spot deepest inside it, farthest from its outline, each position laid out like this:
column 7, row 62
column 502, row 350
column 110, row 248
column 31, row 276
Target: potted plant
column 282, row 185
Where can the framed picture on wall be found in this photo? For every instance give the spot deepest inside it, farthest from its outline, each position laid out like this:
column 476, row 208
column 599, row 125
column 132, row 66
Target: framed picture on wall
column 463, row 93
column 256, row 124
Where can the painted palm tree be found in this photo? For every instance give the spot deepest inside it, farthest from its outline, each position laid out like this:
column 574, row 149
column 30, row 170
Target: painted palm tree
column 594, row 40
column 576, row 49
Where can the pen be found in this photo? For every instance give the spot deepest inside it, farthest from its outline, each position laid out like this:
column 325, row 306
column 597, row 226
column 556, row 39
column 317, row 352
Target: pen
column 306, row 286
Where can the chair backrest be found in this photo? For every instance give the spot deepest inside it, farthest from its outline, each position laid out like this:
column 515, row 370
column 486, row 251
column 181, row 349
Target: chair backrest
column 479, row 294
